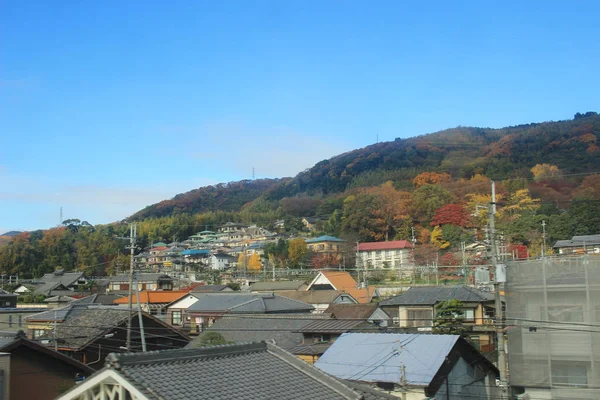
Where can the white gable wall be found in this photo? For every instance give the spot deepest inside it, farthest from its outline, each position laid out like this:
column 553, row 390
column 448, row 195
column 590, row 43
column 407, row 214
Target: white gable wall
column 320, row 280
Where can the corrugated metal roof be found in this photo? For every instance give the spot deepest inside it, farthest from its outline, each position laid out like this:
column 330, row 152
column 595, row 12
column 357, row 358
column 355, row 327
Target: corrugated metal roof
column 379, row 357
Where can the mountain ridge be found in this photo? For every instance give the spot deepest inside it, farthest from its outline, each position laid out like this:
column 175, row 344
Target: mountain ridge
column 499, row 153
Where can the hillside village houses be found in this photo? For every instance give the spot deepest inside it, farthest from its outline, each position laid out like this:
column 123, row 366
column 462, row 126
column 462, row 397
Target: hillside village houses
column 320, row 317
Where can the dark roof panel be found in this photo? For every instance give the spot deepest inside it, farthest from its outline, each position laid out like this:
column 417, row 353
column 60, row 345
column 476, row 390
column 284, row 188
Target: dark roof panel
column 431, row 295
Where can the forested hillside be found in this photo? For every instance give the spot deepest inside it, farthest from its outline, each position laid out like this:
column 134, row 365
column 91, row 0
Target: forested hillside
column 436, row 184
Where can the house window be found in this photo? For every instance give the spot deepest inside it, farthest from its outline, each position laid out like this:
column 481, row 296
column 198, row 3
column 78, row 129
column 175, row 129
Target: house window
column 176, row 317
column 569, row 373
column 469, row 314
column 419, row 317
column 37, row 333
column 322, row 338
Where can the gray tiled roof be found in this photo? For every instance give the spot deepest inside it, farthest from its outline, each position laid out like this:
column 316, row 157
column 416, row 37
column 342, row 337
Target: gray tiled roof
column 48, row 287
column 247, row 303
column 315, row 349
column 249, row 372
column 209, row 288
column 240, row 329
column 141, row 277
column 431, row 295
column 346, row 311
column 313, row 296
column 65, row 278
column 90, row 323
column 277, row 285
column 367, row 391
column 331, row 326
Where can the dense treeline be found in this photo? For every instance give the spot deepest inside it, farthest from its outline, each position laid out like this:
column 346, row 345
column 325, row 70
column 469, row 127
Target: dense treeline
column 435, row 186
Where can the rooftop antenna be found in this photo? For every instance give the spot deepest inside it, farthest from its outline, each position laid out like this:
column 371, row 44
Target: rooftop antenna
column 61, row 216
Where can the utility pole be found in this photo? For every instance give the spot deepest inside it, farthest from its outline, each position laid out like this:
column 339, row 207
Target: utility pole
column 132, row 239
column 140, row 319
column 403, row 381
column 498, row 301
column 543, row 239
column 54, row 332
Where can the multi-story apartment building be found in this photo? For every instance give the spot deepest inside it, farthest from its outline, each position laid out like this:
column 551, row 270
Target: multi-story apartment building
column 396, row 254
column 553, row 315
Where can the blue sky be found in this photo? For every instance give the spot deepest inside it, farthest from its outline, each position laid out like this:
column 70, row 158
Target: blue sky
column 108, row 106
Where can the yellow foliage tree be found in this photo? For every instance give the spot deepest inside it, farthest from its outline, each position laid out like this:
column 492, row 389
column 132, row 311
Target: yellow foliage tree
column 477, row 204
column 520, row 202
column 430, row 178
column 296, row 250
column 437, row 238
column 544, row 171
column 254, row 263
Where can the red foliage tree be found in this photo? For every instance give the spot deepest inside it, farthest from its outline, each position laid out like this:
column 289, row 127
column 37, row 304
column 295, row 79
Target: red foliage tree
column 519, row 250
column 448, row 259
column 455, row 214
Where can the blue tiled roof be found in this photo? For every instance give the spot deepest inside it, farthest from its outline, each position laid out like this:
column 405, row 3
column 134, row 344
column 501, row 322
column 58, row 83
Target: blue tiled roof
column 194, row 252
column 324, row 239
column 379, row 357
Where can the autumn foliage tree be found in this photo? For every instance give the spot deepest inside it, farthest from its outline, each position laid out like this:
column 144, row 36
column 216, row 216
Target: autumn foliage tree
column 254, row 264
column 545, row 171
column 430, row 178
column 454, row 214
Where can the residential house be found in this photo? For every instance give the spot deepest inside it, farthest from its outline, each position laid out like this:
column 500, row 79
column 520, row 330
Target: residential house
column 145, row 281
column 200, row 236
column 415, row 310
column 154, row 302
column 230, row 227
column 275, row 286
column 8, row 300
column 325, row 244
column 222, row 261
column 371, row 313
column 587, row 244
column 23, row 288
column 319, row 299
column 97, row 331
column 212, row 306
column 71, row 280
column 552, row 315
column 412, row 366
column 279, row 329
column 194, row 256
column 343, row 281
column 59, row 301
column 43, row 321
column 310, row 223
column 13, row 320
column 396, row 255
column 60, row 283
column 320, row 334
column 34, row 371
column 211, row 289
column 241, row 371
